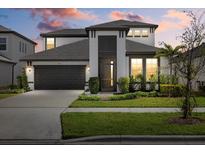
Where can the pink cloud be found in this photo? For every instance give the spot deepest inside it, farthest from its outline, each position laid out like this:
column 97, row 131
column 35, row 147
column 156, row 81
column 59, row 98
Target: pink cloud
column 172, row 20
column 71, row 13
column 48, row 25
column 116, row 15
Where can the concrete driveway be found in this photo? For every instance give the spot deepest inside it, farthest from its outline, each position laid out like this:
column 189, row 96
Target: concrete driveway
column 34, row 115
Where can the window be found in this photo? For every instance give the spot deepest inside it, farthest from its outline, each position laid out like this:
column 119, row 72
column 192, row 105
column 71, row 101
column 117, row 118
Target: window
column 144, row 33
column 19, row 46
column 22, row 49
column 137, row 33
column 151, row 68
column 50, row 43
column 130, row 33
column 25, row 48
column 111, row 73
column 3, row 44
column 136, row 66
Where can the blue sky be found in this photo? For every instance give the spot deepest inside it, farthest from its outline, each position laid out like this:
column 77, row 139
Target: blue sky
column 32, row 22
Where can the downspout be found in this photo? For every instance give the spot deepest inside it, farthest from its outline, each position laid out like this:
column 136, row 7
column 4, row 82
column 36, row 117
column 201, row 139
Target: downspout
column 12, row 77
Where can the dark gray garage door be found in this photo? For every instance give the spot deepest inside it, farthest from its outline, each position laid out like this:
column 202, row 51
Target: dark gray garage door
column 59, row 77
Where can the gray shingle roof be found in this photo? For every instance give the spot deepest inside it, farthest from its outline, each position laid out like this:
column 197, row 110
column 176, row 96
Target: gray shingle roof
column 7, row 30
column 121, row 24
column 66, row 32
column 133, row 47
column 6, row 60
column 77, row 51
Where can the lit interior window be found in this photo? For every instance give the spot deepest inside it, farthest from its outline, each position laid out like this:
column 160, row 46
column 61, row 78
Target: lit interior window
column 130, row 33
column 137, row 33
column 145, row 33
column 50, row 43
column 111, row 73
column 136, row 66
column 151, row 68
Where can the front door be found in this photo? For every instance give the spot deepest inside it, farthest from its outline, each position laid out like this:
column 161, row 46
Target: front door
column 107, row 74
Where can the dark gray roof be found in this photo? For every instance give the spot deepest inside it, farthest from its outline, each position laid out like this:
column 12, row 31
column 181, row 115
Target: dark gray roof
column 121, row 24
column 66, row 33
column 5, row 59
column 133, row 47
column 3, row 29
column 77, row 51
column 7, row 30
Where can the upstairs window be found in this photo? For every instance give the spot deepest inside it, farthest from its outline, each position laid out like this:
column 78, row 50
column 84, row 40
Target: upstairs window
column 144, row 33
column 130, row 33
column 20, row 46
column 50, row 43
column 3, row 44
column 137, row 33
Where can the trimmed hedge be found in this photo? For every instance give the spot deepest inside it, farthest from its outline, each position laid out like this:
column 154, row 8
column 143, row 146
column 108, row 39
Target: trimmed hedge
column 147, row 94
column 89, row 97
column 123, row 84
column 94, row 85
column 123, row 96
column 173, row 90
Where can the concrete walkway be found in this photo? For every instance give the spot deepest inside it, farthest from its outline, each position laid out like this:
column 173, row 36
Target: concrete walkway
column 134, row 110
column 34, row 115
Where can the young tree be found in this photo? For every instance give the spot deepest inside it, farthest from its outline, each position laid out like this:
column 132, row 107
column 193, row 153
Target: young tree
column 191, row 60
column 169, row 52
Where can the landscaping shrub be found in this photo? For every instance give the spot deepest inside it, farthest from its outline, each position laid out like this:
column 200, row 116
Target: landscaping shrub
column 19, row 82
column 22, row 82
column 123, row 96
column 132, row 84
column 123, row 84
column 147, row 94
column 13, row 86
column 173, row 90
column 94, row 85
column 89, row 98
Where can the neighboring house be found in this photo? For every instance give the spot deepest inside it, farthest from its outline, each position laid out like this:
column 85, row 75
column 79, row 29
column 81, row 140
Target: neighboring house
column 109, row 51
column 13, row 46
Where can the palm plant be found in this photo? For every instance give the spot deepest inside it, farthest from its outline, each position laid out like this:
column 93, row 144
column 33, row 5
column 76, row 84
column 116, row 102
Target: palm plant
column 169, row 52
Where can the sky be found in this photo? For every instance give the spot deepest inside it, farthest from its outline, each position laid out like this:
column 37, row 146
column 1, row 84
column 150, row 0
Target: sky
column 32, row 22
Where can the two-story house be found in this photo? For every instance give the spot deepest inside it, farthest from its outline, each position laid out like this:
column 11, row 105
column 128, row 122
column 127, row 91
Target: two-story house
column 109, row 51
column 13, row 46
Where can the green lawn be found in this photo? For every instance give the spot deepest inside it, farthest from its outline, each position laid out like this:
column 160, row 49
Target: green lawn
column 138, row 102
column 2, row 96
column 92, row 124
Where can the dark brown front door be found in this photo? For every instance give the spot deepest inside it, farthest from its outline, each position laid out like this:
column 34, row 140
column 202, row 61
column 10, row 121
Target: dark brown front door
column 107, row 74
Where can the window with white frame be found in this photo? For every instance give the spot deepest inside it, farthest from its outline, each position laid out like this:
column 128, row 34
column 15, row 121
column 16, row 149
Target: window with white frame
column 50, row 43
column 137, row 33
column 3, row 44
column 144, row 33
column 130, row 33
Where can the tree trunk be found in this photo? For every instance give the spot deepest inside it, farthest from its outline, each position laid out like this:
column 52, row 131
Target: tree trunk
column 187, row 104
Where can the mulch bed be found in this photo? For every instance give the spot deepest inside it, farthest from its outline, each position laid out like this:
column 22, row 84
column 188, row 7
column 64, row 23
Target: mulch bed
column 188, row 121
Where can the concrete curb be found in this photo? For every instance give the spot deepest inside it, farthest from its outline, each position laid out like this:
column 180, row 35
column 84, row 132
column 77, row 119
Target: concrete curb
column 131, row 110
column 116, row 140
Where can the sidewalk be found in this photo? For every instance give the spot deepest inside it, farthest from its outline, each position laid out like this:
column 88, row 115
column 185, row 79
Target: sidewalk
column 133, row 110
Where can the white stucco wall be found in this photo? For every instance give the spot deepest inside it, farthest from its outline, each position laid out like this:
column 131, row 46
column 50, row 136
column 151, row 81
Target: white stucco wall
column 93, row 55
column 150, row 40
column 121, row 57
